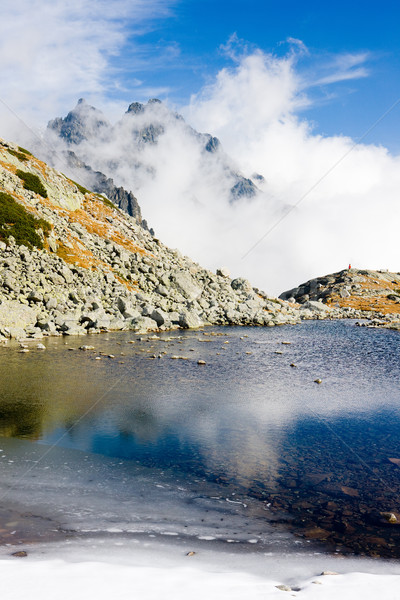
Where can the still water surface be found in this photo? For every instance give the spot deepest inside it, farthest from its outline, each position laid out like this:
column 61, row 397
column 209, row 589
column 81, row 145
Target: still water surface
column 315, row 456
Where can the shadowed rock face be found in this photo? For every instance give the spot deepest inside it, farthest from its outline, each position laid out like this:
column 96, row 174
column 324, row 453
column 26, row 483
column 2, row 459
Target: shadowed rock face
column 99, row 183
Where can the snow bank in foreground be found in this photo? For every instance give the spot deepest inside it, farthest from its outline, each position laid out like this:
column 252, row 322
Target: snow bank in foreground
column 62, row 580
column 150, row 569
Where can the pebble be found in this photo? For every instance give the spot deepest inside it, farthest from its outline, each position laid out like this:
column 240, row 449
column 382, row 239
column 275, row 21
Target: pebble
column 20, row 554
column 41, row 347
column 293, row 365
column 329, row 573
column 23, row 350
column 317, row 380
column 201, row 362
column 284, row 588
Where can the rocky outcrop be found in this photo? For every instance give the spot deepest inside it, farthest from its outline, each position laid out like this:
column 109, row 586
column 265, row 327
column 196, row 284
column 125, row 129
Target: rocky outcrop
column 99, row 183
column 360, row 293
column 81, row 123
column 99, row 270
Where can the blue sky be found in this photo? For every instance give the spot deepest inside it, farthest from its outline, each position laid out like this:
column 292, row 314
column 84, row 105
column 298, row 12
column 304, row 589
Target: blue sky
column 118, row 51
column 287, row 86
column 186, row 51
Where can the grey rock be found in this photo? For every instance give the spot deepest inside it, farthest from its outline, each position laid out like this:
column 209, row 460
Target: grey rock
column 316, row 306
column 51, row 303
column 159, row 316
column 67, row 274
column 223, row 272
column 241, row 284
column 189, row 320
column 143, row 324
column 186, row 285
column 16, row 317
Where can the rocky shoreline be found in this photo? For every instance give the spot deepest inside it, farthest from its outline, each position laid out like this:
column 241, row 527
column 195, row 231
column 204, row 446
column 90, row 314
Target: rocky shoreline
column 97, row 269
column 362, row 293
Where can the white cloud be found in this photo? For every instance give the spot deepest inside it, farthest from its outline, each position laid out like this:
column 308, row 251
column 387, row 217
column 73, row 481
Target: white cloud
column 351, row 215
column 345, row 67
column 53, row 51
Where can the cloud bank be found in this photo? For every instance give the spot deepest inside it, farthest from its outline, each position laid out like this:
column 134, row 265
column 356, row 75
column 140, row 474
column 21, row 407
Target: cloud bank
column 53, row 52
column 350, row 212
column 324, row 202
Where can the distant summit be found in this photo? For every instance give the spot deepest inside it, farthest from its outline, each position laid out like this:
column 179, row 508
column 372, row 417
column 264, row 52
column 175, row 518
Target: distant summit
column 81, row 123
column 122, row 148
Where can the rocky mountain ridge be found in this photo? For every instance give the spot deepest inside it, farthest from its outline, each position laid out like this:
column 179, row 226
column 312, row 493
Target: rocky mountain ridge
column 143, row 126
column 95, row 268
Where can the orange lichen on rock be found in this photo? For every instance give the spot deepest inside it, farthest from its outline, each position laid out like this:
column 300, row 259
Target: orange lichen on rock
column 76, row 253
column 376, row 304
column 94, row 217
column 371, row 294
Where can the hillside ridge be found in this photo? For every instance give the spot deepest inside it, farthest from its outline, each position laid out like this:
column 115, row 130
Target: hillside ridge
column 376, row 293
column 97, row 269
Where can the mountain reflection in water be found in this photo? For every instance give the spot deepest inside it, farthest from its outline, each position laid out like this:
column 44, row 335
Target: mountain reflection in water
column 318, row 454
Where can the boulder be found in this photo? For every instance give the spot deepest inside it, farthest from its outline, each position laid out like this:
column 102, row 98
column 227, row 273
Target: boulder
column 241, row 285
column 316, row 306
column 16, row 317
column 186, row 285
column 143, row 324
column 189, row 320
column 223, row 272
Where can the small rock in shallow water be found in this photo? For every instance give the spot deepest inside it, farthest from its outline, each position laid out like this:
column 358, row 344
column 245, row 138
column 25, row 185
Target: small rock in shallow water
column 284, row 588
column 41, row 347
column 317, row 380
column 191, row 553
column 390, row 517
column 293, row 365
column 23, row 350
column 329, row 573
column 20, row 554
column 201, row 362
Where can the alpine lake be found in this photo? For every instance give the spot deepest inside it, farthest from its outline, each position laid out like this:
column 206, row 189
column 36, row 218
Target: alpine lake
column 132, row 436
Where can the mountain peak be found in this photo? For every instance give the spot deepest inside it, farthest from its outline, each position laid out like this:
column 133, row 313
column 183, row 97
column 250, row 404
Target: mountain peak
column 81, row 123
